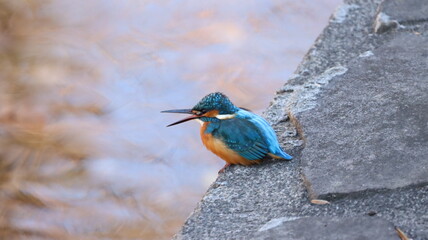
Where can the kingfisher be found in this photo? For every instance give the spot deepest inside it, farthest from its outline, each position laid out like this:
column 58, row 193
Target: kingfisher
column 235, row 134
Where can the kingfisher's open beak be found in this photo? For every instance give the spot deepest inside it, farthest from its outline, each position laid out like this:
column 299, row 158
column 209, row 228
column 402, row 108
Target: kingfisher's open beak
column 187, row 111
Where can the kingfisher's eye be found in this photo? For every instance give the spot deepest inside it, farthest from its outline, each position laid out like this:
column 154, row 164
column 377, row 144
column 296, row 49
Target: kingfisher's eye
column 200, row 112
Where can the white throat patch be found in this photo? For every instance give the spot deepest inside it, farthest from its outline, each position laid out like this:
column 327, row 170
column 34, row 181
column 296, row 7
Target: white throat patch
column 200, row 121
column 225, row 116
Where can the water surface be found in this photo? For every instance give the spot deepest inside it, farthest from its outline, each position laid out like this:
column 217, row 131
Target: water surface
column 85, row 152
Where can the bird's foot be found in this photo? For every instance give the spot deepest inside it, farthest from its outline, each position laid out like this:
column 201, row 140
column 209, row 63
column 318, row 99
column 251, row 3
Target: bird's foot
column 224, row 168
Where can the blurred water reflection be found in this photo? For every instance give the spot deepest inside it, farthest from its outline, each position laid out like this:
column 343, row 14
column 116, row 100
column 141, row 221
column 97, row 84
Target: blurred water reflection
column 84, row 150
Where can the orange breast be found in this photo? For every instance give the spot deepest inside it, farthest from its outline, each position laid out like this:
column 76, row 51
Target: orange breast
column 220, row 149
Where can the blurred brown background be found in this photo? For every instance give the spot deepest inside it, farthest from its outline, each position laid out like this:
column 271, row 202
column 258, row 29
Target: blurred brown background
column 84, row 150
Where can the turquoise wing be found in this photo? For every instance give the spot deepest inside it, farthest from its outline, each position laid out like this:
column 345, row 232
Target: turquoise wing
column 243, row 137
column 267, row 134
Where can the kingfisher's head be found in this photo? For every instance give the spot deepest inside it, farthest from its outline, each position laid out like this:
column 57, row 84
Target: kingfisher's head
column 215, row 102
column 213, row 107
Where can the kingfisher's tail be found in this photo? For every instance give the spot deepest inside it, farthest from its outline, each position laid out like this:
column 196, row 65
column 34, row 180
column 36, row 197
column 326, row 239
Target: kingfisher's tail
column 281, row 155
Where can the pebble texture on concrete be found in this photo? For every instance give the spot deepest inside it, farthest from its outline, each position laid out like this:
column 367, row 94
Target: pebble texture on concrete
column 354, row 116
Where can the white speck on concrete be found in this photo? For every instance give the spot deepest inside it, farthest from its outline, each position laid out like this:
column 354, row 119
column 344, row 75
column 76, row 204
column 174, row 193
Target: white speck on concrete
column 276, row 222
column 342, row 11
column 306, row 96
column 366, row 54
column 330, row 73
column 294, row 75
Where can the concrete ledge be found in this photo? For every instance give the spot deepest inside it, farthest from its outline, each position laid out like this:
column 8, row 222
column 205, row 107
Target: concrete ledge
column 354, row 116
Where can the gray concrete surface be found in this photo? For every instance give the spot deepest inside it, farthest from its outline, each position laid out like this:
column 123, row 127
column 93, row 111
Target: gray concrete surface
column 354, row 116
column 369, row 127
column 328, row 228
